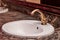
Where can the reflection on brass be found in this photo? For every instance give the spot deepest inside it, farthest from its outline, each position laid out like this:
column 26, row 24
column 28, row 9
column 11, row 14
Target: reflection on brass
column 42, row 16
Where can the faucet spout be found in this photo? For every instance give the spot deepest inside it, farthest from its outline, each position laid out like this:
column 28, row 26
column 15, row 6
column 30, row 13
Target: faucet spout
column 42, row 16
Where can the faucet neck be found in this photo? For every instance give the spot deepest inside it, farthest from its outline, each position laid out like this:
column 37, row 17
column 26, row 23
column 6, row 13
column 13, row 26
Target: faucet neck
column 42, row 16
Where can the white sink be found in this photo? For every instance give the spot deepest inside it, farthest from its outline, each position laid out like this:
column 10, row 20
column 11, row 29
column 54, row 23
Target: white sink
column 28, row 28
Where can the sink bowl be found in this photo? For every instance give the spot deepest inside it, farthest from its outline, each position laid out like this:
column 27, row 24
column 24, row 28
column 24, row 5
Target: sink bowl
column 28, row 29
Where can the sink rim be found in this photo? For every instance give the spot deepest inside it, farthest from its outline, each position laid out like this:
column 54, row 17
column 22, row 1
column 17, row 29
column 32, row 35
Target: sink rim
column 25, row 36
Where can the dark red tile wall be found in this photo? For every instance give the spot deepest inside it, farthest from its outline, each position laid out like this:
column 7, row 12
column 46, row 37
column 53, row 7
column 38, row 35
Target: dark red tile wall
column 51, row 2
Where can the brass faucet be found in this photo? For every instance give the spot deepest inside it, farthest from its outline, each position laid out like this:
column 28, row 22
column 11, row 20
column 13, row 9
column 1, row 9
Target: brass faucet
column 42, row 16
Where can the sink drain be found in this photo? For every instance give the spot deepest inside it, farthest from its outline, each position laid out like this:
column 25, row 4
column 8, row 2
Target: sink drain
column 37, row 27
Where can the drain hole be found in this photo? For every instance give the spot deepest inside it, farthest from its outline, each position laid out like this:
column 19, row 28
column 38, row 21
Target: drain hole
column 37, row 28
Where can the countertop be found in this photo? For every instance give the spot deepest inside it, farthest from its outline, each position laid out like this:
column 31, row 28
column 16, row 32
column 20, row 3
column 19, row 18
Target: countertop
column 14, row 16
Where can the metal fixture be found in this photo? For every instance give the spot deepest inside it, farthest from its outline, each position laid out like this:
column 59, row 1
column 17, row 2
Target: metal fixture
column 42, row 16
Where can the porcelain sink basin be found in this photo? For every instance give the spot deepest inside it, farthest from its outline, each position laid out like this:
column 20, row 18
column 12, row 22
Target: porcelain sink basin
column 28, row 28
